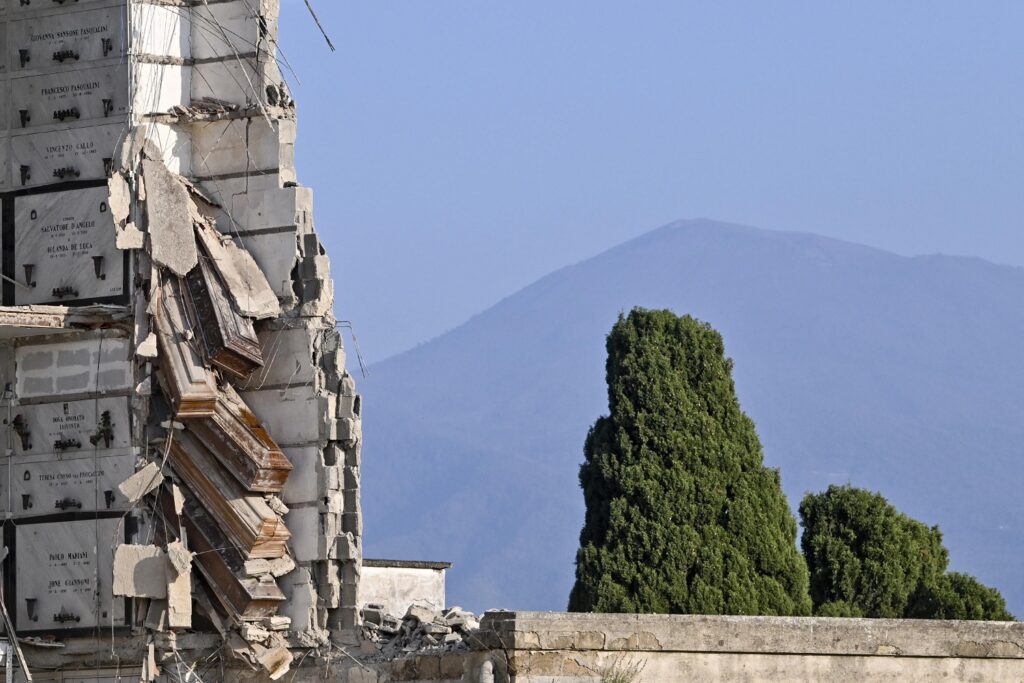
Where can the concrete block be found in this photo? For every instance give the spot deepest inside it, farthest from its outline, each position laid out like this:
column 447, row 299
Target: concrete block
column 241, row 34
column 352, row 522
column 243, row 146
column 162, row 30
column 288, row 358
column 303, row 485
column 292, row 415
column 304, row 523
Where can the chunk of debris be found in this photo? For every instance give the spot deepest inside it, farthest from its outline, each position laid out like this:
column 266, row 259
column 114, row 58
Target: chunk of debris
column 243, row 278
column 119, row 200
column 171, row 237
column 142, row 482
column 129, row 237
column 140, row 571
column 148, row 348
column 257, row 567
column 423, row 628
column 282, row 566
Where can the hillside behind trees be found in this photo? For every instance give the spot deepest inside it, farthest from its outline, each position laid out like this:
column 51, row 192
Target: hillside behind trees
column 899, row 375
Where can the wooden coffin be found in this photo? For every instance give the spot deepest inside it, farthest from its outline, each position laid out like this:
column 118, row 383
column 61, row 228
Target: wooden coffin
column 238, row 440
column 225, row 338
column 220, row 564
column 255, row 529
column 190, row 385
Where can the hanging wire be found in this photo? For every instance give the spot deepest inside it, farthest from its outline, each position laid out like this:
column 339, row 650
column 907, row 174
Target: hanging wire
column 320, row 26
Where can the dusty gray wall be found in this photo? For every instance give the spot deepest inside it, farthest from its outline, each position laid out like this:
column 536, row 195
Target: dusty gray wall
column 535, row 647
column 398, row 587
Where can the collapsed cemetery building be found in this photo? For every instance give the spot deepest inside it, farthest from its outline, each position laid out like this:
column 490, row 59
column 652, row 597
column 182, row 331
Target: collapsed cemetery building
column 181, row 439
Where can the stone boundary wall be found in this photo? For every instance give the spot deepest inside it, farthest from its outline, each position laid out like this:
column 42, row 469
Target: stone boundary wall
column 550, row 647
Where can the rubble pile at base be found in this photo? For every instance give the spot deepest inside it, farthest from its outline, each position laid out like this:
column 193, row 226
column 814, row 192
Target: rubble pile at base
column 422, row 628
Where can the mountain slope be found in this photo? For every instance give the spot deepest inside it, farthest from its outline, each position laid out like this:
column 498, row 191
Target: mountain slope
column 903, row 375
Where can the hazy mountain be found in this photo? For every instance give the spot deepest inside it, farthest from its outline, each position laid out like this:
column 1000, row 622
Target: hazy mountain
column 903, row 375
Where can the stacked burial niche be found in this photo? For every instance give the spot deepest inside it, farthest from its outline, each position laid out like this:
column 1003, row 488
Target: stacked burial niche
column 180, row 436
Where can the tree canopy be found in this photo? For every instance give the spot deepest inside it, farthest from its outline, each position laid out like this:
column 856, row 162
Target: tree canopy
column 868, row 559
column 682, row 516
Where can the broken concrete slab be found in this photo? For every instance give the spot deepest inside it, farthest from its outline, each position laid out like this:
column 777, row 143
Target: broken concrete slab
column 129, row 237
column 142, row 482
column 244, row 280
column 171, row 237
column 120, row 199
column 140, row 571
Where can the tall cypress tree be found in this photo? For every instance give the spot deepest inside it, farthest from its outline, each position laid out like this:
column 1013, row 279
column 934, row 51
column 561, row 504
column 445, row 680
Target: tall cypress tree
column 682, row 516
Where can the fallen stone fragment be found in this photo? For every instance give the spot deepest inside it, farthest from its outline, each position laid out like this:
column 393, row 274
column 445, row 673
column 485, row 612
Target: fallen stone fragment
column 142, row 482
column 278, row 623
column 156, row 615
column 140, row 571
column 242, row 277
column 129, row 237
column 257, row 567
column 171, row 237
column 282, row 566
column 119, row 200
column 148, row 348
column 254, row 634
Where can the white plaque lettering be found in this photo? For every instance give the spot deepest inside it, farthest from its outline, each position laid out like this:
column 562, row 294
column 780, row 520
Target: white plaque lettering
column 69, row 97
column 65, row 40
column 57, row 156
column 65, row 248
column 64, row 575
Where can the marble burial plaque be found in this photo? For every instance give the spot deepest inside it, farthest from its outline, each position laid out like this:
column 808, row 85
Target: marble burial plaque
column 65, row 40
column 18, row 8
column 64, row 248
column 5, row 155
column 4, row 54
column 57, row 156
column 83, row 482
column 68, row 97
column 71, row 427
column 64, row 575
column 72, row 368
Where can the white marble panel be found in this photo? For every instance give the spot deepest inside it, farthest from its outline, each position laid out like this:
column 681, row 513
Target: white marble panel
column 5, row 158
column 158, row 87
column 83, row 482
column 67, row 39
column 65, row 98
column 224, row 29
column 4, row 54
column 63, row 567
column 68, row 239
column 63, row 155
column 20, row 8
column 162, row 30
column 46, row 424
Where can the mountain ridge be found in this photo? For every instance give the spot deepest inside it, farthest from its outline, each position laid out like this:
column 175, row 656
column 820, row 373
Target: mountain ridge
column 491, row 415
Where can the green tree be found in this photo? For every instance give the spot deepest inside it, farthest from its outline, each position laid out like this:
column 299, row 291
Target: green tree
column 868, row 559
column 682, row 516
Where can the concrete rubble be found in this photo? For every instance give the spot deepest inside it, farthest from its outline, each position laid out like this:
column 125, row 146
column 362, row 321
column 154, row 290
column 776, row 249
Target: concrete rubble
column 422, row 629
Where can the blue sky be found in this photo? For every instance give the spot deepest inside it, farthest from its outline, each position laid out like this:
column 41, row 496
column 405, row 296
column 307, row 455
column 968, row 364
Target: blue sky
column 460, row 149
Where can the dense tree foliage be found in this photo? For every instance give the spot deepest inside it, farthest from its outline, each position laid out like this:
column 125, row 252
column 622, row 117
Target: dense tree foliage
column 682, row 516
column 868, row 559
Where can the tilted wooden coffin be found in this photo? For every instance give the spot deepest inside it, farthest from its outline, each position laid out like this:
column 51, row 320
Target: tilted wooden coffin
column 189, row 384
column 226, row 338
column 246, row 519
column 220, row 563
column 243, row 446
